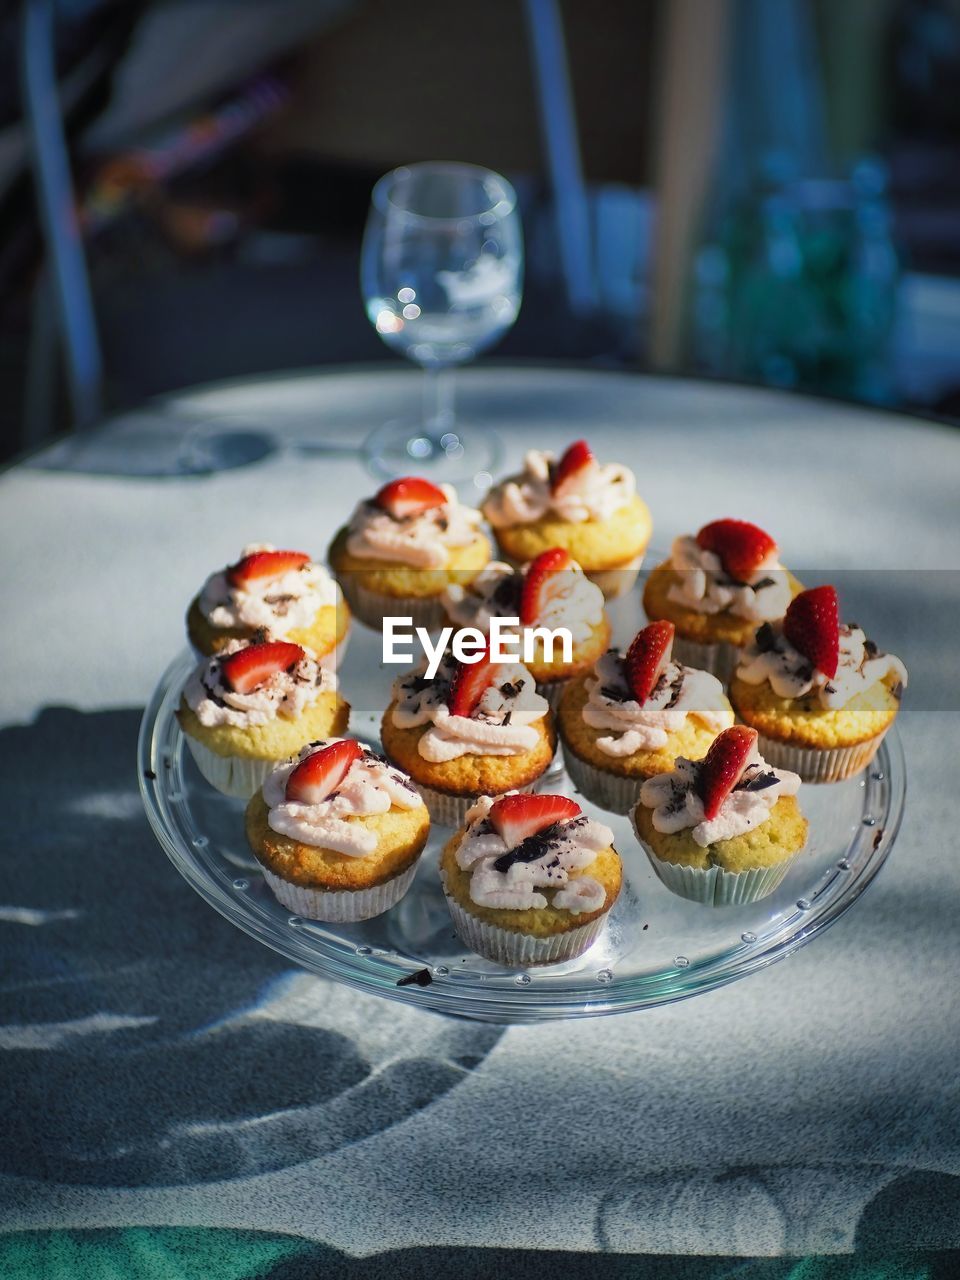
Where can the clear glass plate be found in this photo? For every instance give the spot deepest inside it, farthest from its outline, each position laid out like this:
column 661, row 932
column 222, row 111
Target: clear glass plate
column 657, row 947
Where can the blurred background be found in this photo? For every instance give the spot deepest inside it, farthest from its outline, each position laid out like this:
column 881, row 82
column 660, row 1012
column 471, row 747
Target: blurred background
column 759, row 190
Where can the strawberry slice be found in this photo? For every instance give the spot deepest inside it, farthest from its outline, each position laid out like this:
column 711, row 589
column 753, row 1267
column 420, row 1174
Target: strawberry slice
column 247, row 669
column 540, row 582
column 741, row 546
column 812, row 625
column 409, row 496
column 649, row 653
column 469, row 683
column 318, row 775
column 576, row 459
column 723, row 765
column 265, row 564
column 516, row 818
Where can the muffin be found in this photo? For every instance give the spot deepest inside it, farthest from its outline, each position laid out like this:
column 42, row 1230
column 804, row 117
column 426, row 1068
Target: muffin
column 722, row 830
column 551, row 592
column 271, row 595
column 530, row 879
column 253, row 705
column 403, row 548
column 475, row 729
column 590, row 509
column 821, row 695
column 715, row 588
column 631, row 716
column 337, row 831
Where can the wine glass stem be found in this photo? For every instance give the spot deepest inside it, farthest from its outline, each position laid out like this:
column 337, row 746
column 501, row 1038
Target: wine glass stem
column 438, row 402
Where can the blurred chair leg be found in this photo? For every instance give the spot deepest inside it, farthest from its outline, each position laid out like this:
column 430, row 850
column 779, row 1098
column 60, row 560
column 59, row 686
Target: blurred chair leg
column 41, row 383
column 559, row 125
column 51, row 168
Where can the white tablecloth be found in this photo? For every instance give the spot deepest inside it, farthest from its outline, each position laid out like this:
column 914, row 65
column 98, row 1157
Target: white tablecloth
column 165, row 1069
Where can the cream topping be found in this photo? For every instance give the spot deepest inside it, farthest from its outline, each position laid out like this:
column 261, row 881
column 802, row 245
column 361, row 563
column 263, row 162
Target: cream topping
column 706, row 587
column 677, row 806
column 371, row 786
column 502, row 724
column 770, row 656
column 423, row 541
column 680, row 692
column 593, row 493
column 277, row 605
column 502, row 879
column 574, row 601
column 286, row 693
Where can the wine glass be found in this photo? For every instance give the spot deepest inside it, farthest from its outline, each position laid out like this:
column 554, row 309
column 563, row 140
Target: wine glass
column 441, row 275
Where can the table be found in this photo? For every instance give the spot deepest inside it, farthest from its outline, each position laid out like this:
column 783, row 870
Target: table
column 168, row 1079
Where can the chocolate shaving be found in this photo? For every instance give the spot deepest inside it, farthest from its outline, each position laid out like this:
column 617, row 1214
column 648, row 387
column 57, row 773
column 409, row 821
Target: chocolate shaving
column 509, row 690
column 614, row 694
column 764, row 583
column 677, row 687
column 759, row 782
column 506, row 719
column 878, row 836
column 529, row 850
column 765, row 638
column 422, row 978
column 149, row 775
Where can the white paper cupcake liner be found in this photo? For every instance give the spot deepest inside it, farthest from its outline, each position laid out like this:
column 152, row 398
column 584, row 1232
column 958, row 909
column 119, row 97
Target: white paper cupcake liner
column 608, row 790
column 233, row 775
column 520, row 950
column 333, row 657
column 815, row 765
column 719, row 659
column 343, row 906
column 371, row 607
column 617, row 582
column 450, row 811
column 715, row 887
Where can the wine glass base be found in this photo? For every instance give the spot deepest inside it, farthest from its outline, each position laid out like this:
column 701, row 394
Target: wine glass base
column 449, row 455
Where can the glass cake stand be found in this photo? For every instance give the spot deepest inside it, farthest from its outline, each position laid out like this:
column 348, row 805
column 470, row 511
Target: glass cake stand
column 657, row 947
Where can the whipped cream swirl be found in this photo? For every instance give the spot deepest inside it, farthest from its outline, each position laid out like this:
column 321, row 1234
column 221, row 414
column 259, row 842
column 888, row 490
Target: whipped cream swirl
column 371, row 786
column 677, row 806
column 574, row 601
column 706, row 587
column 502, row 724
column 680, row 692
column 276, row 605
column 423, row 541
column 595, row 492
column 771, row 657
column 512, row 878
column 285, row 693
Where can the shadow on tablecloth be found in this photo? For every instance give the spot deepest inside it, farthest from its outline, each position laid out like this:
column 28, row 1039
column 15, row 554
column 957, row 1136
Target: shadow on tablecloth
column 146, row 1040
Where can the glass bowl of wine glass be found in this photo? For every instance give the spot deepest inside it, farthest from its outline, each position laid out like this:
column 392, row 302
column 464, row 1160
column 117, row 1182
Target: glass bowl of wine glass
column 441, row 275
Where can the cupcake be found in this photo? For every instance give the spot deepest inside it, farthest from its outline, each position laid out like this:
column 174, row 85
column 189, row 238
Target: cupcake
column 253, row 705
column 403, row 548
column 273, row 595
column 551, row 592
column 821, row 695
column 590, row 509
column 475, row 729
column 337, row 831
column 715, row 589
column 530, row 879
column 722, row 830
column 632, row 715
